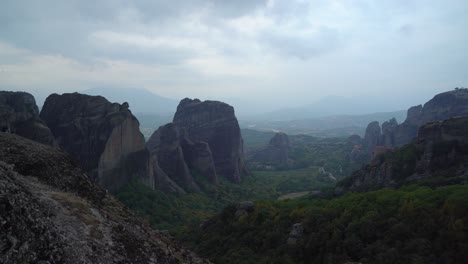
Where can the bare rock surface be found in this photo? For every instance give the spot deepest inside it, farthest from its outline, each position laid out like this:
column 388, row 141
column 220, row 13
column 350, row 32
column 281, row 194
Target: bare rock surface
column 52, row 213
column 19, row 114
column 100, row 135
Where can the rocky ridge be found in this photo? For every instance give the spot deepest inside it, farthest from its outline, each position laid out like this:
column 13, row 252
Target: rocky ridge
column 443, row 106
column 438, row 156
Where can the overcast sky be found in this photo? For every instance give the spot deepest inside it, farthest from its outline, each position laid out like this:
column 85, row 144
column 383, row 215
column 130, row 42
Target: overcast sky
column 277, row 52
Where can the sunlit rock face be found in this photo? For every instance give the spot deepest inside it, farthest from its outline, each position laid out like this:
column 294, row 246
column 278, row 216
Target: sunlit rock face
column 19, row 114
column 100, row 135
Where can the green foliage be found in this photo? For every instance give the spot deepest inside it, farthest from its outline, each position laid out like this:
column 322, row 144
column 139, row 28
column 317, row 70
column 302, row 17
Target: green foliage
column 409, row 225
column 176, row 212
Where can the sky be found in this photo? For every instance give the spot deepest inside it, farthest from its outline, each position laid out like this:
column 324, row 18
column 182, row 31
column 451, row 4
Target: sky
column 270, row 53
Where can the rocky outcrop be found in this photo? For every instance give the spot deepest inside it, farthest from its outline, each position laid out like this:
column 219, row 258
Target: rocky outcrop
column 214, row 122
column 276, row 153
column 19, row 115
column 443, row 106
column 244, row 208
column 372, row 136
column 165, row 144
column 52, row 213
column 204, row 140
column 200, row 159
column 100, row 135
column 296, row 234
column 389, row 129
column 439, row 155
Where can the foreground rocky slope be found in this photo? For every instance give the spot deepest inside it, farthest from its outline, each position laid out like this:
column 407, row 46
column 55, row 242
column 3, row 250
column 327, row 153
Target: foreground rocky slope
column 104, row 137
column 52, row 213
column 439, row 155
column 19, row 114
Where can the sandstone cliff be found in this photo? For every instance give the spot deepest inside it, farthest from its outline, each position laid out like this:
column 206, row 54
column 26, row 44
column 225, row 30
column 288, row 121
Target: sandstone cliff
column 19, row 114
column 438, row 156
column 52, row 213
column 100, row 135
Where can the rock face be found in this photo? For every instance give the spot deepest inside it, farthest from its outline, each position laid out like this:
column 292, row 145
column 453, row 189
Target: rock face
column 438, row 155
column 200, row 159
column 372, row 136
column 19, row 114
column 275, row 153
column 214, row 122
column 165, row 144
column 52, row 213
column 442, row 106
column 100, row 135
column 203, row 139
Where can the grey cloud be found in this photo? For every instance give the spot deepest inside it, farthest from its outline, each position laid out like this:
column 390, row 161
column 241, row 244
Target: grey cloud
column 303, row 46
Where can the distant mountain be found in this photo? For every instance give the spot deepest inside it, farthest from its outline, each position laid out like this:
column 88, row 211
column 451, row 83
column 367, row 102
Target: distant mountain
column 338, row 125
column 328, row 106
column 140, row 100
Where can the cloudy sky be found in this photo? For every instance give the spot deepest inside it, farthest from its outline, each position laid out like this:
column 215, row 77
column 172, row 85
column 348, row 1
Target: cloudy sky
column 278, row 52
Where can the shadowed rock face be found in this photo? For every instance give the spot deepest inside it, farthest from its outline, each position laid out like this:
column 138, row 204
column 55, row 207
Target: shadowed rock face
column 200, row 159
column 97, row 133
column 276, row 153
column 214, row 122
column 19, row 114
column 372, row 136
column 442, row 106
column 52, row 213
column 165, row 144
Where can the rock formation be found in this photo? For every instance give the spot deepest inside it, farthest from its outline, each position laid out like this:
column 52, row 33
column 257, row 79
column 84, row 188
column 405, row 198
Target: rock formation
column 214, row 122
column 204, row 139
column 372, row 136
column 19, row 114
column 276, row 153
column 165, row 145
column 200, row 159
column 52, row 213
column 443, row 106
column 440, row 153
column 102, row 136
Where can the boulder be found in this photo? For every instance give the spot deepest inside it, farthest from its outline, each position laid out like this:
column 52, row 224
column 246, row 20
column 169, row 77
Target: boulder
column 19, row 114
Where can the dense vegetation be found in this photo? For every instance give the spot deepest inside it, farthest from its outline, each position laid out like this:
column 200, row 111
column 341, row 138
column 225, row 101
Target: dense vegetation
column 305, row 151
column 177, row 212
column 409, row 225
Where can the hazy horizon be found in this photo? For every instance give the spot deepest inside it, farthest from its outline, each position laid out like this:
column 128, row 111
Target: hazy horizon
column 263, row 55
